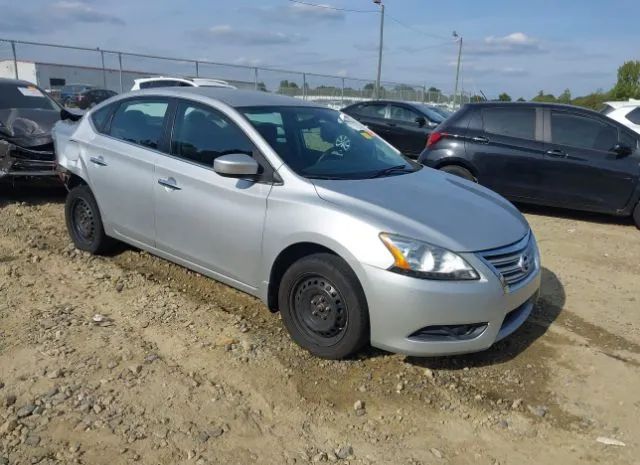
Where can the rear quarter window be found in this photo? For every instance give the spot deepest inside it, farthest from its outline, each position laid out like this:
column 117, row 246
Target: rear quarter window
column 634, row 116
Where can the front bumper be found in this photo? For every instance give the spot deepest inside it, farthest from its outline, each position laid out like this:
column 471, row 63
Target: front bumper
column 20, row 161
column 407, row 314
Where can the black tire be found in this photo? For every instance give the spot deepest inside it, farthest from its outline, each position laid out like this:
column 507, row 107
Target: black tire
column 636, row 215
column 323, row 306
column 84, row 222
column 459, row 171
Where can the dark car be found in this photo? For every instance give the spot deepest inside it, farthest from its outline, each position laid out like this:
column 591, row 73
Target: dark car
column 404, row 125
column 91, row 97
column 27, row 115
column 547, row 154
column 69, row 93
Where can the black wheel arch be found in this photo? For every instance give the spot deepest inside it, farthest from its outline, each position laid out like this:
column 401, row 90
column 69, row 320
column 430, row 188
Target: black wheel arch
column 284, row 260
column 461, row 162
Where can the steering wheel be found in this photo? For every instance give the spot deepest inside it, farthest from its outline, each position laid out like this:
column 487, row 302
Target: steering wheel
column 331, row 151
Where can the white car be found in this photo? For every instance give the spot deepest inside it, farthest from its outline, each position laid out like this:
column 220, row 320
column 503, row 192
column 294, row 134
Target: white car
column 163, row 81
column 626, row 112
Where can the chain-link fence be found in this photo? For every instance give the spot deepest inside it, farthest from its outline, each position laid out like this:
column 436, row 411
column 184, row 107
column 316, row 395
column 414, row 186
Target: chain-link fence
column 54, row 66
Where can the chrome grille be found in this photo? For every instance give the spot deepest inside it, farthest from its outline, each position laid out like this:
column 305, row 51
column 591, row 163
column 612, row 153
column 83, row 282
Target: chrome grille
column 513, row 264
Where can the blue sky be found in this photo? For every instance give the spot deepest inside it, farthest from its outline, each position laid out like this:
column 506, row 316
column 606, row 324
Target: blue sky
column 519, row 47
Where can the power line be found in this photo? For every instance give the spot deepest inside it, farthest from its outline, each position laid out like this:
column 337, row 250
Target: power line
column 329, row 7
column 419, row 31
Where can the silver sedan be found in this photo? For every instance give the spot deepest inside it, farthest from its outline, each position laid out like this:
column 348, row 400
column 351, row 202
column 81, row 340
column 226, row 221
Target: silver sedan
column 306, row 209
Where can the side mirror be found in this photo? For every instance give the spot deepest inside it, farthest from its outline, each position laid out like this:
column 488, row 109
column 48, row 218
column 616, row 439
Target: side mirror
column 421, row 120
column 66, row 114
column 236, row 165
column 622, row 150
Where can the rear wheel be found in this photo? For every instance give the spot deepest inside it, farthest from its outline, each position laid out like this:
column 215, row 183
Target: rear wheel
column 323, row 306
column 84, row 222
column 459, row 171
column 636, row 215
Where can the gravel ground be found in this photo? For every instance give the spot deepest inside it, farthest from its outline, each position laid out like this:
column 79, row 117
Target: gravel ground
column 131, row 359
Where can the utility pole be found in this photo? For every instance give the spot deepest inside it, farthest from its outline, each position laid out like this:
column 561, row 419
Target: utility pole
column 455, row 92
column 379, row 2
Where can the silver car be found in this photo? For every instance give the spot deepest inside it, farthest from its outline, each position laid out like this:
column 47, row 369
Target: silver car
column 306, row 209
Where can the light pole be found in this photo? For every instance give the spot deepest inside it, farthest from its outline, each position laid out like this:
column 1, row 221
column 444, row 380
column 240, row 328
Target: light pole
column 379, row 2
column 455, row 92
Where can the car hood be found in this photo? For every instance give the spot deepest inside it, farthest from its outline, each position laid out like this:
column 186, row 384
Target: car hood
column 27, row 127
column 431, row 206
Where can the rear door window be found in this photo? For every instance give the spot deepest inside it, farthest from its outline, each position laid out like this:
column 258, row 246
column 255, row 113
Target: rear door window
column 583, row 132
column 140, row 122
column 511, row 122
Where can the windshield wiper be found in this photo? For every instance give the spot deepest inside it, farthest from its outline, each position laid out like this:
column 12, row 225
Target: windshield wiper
column 391, row 170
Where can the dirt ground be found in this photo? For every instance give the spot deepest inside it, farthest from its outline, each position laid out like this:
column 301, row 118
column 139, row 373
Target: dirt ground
column 179, row 369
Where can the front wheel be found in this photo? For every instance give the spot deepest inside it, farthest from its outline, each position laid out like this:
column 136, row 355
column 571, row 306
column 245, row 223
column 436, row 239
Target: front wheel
column 636, row 215
column 84, row 222
column 459, row 171
column 323, row 306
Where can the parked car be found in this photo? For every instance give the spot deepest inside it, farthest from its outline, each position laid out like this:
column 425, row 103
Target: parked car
column 91, row 97
column 548, row 154
column 162, row 81
column 404, row 125
column 626, row 112
column 305, row 208
column 69, row 93
column 27, row 115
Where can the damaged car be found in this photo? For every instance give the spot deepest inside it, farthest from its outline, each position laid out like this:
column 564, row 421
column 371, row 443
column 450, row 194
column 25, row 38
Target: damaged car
column 27, row 115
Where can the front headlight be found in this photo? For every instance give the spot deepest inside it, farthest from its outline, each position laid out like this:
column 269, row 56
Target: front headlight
column 422, row 260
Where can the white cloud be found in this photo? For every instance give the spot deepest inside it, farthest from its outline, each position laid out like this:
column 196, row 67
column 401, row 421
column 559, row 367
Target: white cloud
column 82, row 12
column 249, row 37
column 300, row 10
column 516, row 43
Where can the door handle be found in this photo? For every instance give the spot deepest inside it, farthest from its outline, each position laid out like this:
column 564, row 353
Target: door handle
column 480, row 140
column 169, row 183
column 556, row 153
column 98, row 161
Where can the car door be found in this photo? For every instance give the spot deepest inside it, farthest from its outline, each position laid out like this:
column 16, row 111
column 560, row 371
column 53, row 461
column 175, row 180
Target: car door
column 581, row 169
column 505, row 146
column 120, row 166
column 408, row 129
column 201, row 217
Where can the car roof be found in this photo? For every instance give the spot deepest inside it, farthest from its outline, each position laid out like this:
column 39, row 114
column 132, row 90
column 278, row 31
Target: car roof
column 17, row 82
column 558, row 106
column 623, row 103
column 231, row 97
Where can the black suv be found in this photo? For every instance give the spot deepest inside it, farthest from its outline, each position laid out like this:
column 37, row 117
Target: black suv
column 404, row 125
column 548, row 154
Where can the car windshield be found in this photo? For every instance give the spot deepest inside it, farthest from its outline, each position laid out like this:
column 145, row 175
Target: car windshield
column 434, row 114
column 322, row 143
column 25, row 96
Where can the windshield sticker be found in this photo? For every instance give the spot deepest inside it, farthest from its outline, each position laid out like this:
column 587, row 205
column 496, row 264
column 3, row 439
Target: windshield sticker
column 366, row 134
column 343, row 143
column 30, row 91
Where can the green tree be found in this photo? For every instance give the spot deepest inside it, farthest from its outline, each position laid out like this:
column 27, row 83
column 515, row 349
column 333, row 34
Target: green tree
column 504, row 97
column 565, row 97
column 628, row 85
column 521, row 100
column 544, row 98
column 595, row 100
